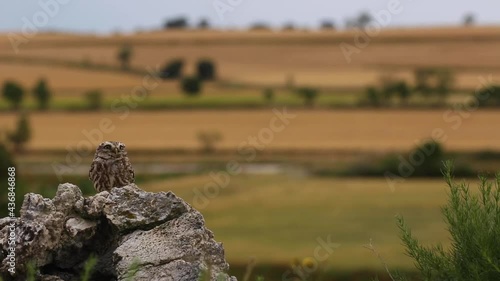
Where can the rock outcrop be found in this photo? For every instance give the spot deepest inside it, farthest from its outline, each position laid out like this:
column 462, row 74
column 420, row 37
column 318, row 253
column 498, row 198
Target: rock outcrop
column 155, row 236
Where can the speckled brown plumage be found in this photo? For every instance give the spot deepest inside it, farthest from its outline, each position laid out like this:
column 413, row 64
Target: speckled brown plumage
column 111, row 167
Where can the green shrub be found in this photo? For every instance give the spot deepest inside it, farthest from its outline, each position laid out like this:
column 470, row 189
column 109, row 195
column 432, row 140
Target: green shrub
column 309, row 95
column 191, row 86
column 268, row 94
column 422, row 81
column 473, row 222
column 439, row 81
column 445, row 82
column 372, row 96
column 206, row 69
column 392, row 87
column 434, row 156
column 422, row 161
column 488, row 96
column 173, row 69
column 94, row 99
column 13, row 93
column 124, row 56
column 403, row 91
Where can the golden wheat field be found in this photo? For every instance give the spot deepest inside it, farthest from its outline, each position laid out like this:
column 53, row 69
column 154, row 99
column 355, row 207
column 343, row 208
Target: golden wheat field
column 62, row 78
column 271, row 58
column 369, row 130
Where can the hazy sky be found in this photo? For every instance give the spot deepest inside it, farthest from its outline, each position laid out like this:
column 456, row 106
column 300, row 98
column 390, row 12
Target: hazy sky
column 128, row 15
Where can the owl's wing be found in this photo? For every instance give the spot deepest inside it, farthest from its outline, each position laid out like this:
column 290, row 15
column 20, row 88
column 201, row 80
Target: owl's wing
column 131, row 173
column 92, row 168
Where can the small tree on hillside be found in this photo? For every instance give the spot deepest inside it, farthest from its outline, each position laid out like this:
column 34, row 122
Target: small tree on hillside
column 429, row 81
column 372, row 96
column 176, row 23
column 469, row 20
column 206, row 69
column 422, row 81
column 13, row 93
column 42, row 94
column 173, row 69
column 309, row 95
column 203, row 24
column 268, row 95
column 327, row 25
column 22, row 134
column 124, row 56
column 488, row 96
column 191, row 86
column 445, row 81
column 388, row 87
column 403, row 91
column 363, row 20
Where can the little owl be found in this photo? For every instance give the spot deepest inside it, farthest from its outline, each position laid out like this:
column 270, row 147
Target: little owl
column 111, row 167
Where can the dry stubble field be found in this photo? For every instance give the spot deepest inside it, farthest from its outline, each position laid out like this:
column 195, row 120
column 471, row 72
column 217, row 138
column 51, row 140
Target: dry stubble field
column 267, row 58
column 371, row 130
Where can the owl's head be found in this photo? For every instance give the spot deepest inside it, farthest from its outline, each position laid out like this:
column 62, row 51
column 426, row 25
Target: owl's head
column 111, row 149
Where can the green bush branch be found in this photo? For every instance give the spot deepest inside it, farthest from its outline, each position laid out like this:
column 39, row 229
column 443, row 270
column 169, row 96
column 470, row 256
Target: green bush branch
column 473, row 221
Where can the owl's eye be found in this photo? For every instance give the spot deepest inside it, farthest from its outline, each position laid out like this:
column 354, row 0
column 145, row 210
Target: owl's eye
column 122, row 147
column 107, row 146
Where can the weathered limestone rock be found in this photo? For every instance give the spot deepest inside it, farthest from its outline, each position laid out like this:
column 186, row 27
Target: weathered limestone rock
column 158, row 235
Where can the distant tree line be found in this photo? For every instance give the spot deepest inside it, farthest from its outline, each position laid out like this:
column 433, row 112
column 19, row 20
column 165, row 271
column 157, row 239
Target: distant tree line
column 430, row 83
column 434, row 84
column 361, row 21
column 183, row 23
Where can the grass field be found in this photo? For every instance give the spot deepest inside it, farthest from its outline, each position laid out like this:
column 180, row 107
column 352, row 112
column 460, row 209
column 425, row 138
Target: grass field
column 278, row 218
column 363, row 130
column 168, row 96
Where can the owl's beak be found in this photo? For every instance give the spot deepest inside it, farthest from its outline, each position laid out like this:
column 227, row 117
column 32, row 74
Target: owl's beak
column 115, row 150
